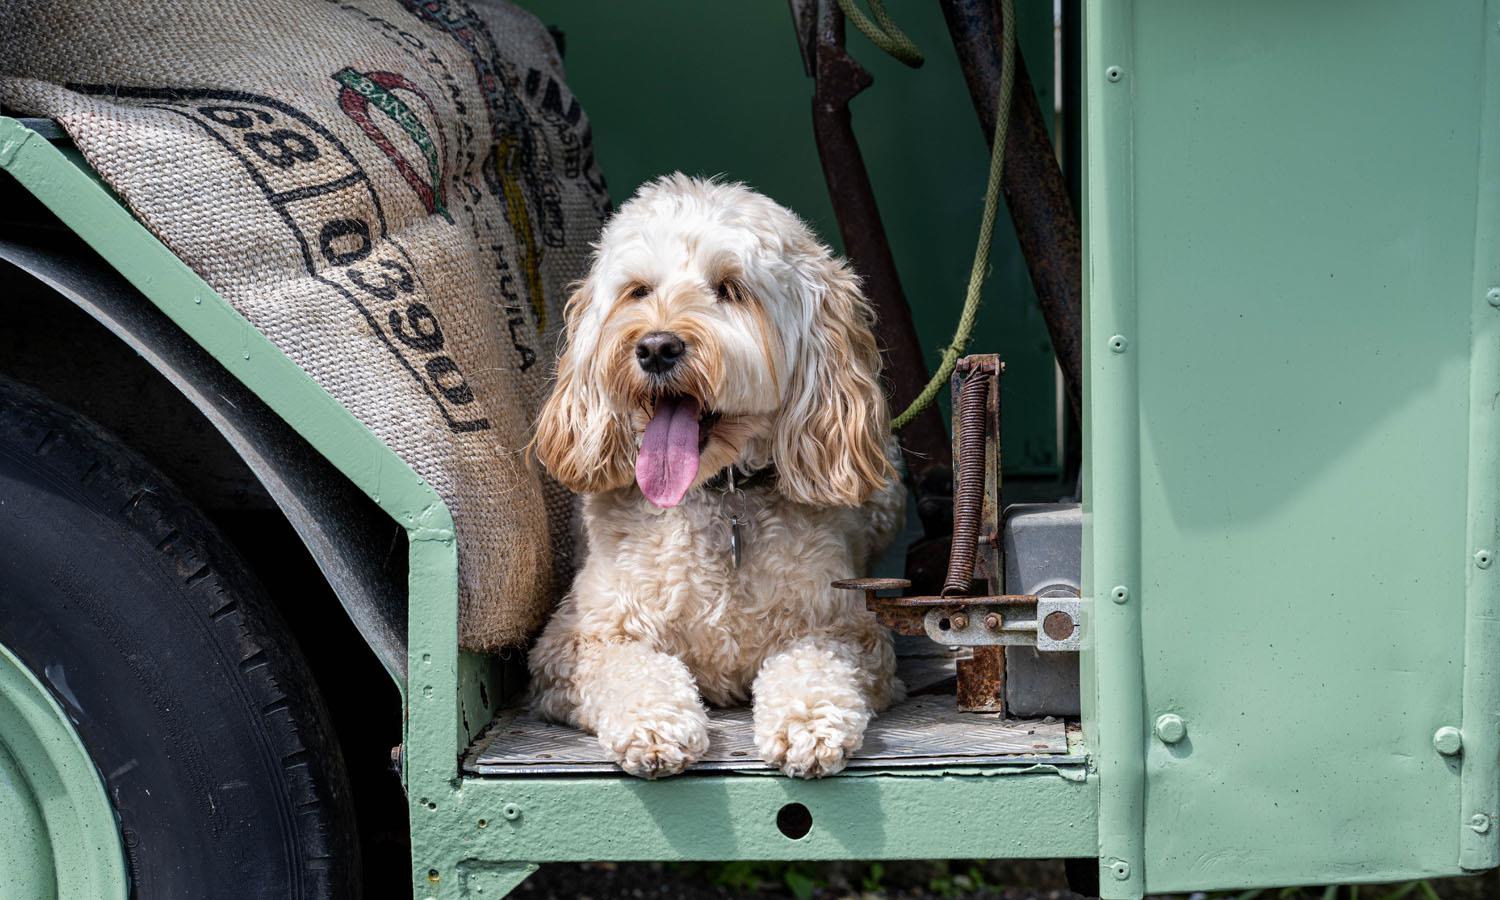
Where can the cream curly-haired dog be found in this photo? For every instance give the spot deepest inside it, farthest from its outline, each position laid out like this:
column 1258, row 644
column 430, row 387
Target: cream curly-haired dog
column 718, row 404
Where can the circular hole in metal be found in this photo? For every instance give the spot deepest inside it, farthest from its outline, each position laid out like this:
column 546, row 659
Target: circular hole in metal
column 944, row 624
column 794, row 820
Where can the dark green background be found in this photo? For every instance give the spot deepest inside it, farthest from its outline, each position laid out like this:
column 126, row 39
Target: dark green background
column 718, row 88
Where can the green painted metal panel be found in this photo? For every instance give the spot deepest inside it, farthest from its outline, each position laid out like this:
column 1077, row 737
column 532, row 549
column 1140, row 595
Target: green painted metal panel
column 1283, row 231
column 992, row 814
column 1479, row 846
column 59, row 839
column 1111, row 673
column 434, row 733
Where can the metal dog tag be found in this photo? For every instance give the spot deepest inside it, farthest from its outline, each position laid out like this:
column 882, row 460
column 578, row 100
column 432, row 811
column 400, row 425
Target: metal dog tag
column 733, row 495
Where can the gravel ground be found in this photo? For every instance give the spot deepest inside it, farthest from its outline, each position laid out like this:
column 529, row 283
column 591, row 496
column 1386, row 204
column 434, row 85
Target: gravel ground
column 951, row 880
column 720, row 881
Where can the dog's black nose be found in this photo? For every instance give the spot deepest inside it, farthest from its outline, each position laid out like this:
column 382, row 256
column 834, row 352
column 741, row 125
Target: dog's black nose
column 659, row 351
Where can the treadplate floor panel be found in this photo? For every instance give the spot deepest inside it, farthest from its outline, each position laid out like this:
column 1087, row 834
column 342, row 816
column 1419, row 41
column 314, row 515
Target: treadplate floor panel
column 926, row 730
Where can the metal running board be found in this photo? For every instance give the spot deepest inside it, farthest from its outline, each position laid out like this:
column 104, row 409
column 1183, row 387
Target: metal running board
column 926, row 730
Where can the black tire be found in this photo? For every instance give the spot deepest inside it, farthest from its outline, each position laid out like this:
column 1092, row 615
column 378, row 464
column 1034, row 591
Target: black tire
column 185, row 687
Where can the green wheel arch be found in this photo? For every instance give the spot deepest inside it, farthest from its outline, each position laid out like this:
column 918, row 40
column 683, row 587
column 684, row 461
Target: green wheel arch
column 62, row 838
column 435, row 735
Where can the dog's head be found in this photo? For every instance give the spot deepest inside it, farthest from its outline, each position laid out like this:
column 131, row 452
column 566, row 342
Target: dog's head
column 715, row 329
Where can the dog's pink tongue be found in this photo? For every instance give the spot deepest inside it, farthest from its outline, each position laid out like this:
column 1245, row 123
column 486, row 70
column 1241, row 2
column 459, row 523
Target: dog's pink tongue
column 668, row 461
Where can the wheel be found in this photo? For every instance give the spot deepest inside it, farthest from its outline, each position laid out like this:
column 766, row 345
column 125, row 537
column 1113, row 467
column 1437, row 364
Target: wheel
column 184, row 687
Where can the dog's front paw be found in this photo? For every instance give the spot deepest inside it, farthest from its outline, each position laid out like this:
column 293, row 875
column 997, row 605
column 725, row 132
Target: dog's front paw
column 658, row 749
column 811, row 744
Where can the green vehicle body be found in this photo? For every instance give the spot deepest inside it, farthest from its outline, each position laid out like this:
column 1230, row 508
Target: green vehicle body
column 1292, row 503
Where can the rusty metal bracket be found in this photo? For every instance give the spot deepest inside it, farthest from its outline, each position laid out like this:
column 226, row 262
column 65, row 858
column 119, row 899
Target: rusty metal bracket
column 975, row 553
column 837, row 79
column 1035, row 192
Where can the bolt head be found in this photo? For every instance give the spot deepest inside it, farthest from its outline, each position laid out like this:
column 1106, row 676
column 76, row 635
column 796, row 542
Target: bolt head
column 1448, row 740
column 1118, row 343
column 992, row 622
column 1120, row 869
column 1170, row 728
column 511, row 811
column 1058, row 625
column 960, row 622
column 1493, row 295
column 1120, row 594
column 1483, row 558
column 1479, row 823
column 1114, row 73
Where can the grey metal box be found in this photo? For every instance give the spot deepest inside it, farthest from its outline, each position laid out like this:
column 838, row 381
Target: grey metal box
column 1043, row 553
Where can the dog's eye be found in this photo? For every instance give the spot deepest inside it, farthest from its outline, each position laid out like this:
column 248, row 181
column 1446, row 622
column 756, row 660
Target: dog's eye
column 640, row 292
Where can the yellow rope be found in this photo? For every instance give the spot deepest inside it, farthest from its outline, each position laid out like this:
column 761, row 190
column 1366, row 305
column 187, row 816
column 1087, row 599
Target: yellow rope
column 986, row 226
column 883, row 32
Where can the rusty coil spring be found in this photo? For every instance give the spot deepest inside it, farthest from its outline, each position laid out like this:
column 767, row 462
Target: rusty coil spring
column 968, row 497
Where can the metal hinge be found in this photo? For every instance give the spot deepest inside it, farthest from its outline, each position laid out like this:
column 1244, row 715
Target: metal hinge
column 1049, row 623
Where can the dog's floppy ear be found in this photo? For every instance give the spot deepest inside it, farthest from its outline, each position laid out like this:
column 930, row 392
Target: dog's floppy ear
column 829, row 444
column 581, row 441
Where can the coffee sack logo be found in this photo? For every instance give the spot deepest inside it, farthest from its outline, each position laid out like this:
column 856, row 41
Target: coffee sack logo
column 364, row 92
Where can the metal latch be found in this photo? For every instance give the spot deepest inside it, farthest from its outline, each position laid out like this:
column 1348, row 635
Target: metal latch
column 1046, row 623
column 986, row 620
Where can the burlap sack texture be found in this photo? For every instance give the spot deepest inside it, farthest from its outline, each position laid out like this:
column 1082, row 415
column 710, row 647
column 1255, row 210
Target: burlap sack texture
column 395, row 192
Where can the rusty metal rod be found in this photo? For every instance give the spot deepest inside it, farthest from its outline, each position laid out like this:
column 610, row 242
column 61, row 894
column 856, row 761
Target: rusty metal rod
column 968, row 496
column 1035, row 191
column 837, row 79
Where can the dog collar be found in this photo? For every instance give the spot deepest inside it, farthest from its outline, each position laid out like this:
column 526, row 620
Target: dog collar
column 730, row 478
column 731, row 486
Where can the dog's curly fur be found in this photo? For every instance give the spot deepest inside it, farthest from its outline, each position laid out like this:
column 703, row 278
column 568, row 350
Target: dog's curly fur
column 778, row 344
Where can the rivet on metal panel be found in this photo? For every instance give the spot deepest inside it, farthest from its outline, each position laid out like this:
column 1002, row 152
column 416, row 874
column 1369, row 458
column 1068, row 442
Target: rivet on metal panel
column 1479, row 823
column 1447, row 740
column 1170, row 728
column 1483, row 558
column 1118, row 343
column 1120, row 868
column 992, row 622
column 1493, row 296
column 960, row 621
column 1114, row 73
column 1120, row 594
column 511, row 811
column 1058, row 625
